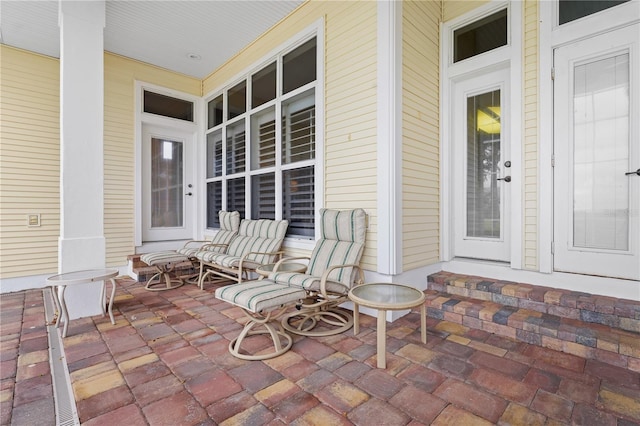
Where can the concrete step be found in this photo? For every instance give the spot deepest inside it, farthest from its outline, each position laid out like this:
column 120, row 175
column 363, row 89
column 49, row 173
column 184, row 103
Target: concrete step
column 590, row 326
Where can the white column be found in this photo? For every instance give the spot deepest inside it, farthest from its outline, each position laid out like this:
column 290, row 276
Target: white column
column 82, row 242
column 389, row 137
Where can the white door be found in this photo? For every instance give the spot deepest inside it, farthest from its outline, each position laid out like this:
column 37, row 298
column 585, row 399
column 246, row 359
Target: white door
column 597, row 155
column 167, row 188
column 481, row 166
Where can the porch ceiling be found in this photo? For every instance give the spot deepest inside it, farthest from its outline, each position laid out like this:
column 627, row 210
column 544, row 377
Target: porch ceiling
column 161, row 33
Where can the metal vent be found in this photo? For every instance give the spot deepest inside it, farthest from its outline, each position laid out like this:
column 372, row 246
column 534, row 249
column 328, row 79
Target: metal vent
column 65, row 404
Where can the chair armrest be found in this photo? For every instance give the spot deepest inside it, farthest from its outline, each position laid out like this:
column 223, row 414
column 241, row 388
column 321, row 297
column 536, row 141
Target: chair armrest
column 195, row 242
column 325, row 276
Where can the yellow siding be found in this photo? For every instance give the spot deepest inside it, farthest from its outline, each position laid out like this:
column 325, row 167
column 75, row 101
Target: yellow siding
column 350, row 56
column 29, row 162
column 453, row 8
column 120, row 75
column 530, row 136
column 420, row 127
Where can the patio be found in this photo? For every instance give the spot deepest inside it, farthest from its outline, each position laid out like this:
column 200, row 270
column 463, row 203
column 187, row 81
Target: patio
column 166, row 362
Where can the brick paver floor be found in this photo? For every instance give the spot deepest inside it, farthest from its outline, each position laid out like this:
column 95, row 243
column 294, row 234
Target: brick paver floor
column 166, row 362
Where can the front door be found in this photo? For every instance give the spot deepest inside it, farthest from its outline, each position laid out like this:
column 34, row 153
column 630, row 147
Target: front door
column 167, row 190
column 481, row 166
column 597, row 155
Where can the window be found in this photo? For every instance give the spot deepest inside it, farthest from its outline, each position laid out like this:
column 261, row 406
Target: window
column 570, row 10
column 167, row 106
column 480, row 36
column 261, row 143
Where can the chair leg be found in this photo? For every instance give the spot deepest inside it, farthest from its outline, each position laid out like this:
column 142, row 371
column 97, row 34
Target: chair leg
column 163, row 276
column 318, row 319
column 270, row 327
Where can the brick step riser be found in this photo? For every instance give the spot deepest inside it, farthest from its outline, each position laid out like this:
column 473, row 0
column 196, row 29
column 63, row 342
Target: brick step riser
column 467, row 301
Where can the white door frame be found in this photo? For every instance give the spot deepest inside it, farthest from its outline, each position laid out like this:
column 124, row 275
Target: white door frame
column 552, row 36
column 194, row 128
column 507, row 56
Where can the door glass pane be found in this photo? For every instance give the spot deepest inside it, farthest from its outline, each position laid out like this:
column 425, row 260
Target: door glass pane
column 298, row 200
column 483, row 157
column 167, row 189
column 570, row 10
column 263, row 196
column 601, row 154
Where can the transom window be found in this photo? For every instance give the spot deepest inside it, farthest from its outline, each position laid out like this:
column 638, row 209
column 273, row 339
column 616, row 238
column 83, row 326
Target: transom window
column 480, row 36
column 570, row 10
column 261, row 143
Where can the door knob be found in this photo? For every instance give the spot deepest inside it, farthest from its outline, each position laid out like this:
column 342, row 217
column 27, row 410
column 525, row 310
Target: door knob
column 637, row 172
column 506, row 179
column 189, row 194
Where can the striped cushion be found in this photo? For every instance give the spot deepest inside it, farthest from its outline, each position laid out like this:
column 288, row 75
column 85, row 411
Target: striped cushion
column 343, row 225
column 188, row 251
column 308, row 282
column 229, row 221
column 226, row 260
column 262, row 235
column 159, row 257
column 256, row 296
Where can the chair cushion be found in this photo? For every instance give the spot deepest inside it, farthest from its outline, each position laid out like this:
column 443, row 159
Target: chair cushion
column 307, row 282
column 331, row 252
column 343, row 225
column 229, row 221
column 261, row 235
column 256, row 296
column 226, row 260
column 160, row 257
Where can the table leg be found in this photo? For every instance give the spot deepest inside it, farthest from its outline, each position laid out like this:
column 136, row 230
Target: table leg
column 423, row 322
column 102, row 297
column 356, row 319
column 113, row 294
column 64, row 314
column 382, row 338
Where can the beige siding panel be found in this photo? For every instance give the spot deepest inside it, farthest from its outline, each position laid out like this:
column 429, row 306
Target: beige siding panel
column 453, row 8
column 29, row 162
column 119, row 156
column 530, row 135
column 420, row 128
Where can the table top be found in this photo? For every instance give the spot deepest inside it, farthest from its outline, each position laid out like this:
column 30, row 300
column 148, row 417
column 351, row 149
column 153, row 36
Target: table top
column 284, row 267
column 79, row 277
column 386, row 296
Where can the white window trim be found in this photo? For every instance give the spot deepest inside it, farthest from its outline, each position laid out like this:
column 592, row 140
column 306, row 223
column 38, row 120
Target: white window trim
column 315, row 30
column 552, row 36
column 510, row 54
column 140, row 118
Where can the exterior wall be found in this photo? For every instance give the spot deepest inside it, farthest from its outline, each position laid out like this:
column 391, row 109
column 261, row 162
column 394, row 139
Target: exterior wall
column 120, row 75
column 530, row 136
column 453, row 8
column 29, row 162
column 350, row 150
column 420, row 128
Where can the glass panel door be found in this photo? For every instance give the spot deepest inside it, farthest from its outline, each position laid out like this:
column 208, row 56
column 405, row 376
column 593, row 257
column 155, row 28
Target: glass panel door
column 167, row 186
column 597, row 154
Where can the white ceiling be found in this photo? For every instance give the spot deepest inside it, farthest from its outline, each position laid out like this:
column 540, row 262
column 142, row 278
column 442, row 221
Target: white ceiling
column 161, row 32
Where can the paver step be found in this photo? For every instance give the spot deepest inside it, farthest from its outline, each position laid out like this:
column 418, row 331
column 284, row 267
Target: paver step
column 590, row 326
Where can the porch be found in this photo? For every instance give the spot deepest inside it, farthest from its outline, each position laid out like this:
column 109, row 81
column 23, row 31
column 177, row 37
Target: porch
column 166, row 362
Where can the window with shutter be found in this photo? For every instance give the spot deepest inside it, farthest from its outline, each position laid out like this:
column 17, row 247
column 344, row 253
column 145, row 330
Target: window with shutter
column 272, row 174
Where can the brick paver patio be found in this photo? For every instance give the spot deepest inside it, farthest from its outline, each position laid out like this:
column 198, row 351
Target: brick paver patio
column 166, row 362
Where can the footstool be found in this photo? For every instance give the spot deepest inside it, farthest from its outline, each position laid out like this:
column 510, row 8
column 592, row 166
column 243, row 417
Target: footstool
column 164, row 261
column 262, row 302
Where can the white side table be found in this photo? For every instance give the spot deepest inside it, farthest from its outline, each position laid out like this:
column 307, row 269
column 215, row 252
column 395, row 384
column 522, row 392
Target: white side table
column 387, row 297
column 61, row 281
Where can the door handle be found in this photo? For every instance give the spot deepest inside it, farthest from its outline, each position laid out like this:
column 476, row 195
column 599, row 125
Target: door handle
column 189, row 194
column 637, row 172
column 506, row 179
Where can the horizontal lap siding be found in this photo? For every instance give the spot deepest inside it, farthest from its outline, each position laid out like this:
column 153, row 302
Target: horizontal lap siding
column 119, row 145
column 420, row 127
column 453, row 8
column 531, row 90
column 29, row 163
column 350, row 145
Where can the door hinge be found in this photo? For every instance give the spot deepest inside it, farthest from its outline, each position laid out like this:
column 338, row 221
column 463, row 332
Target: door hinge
column 553, row 161
column 553, row 73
